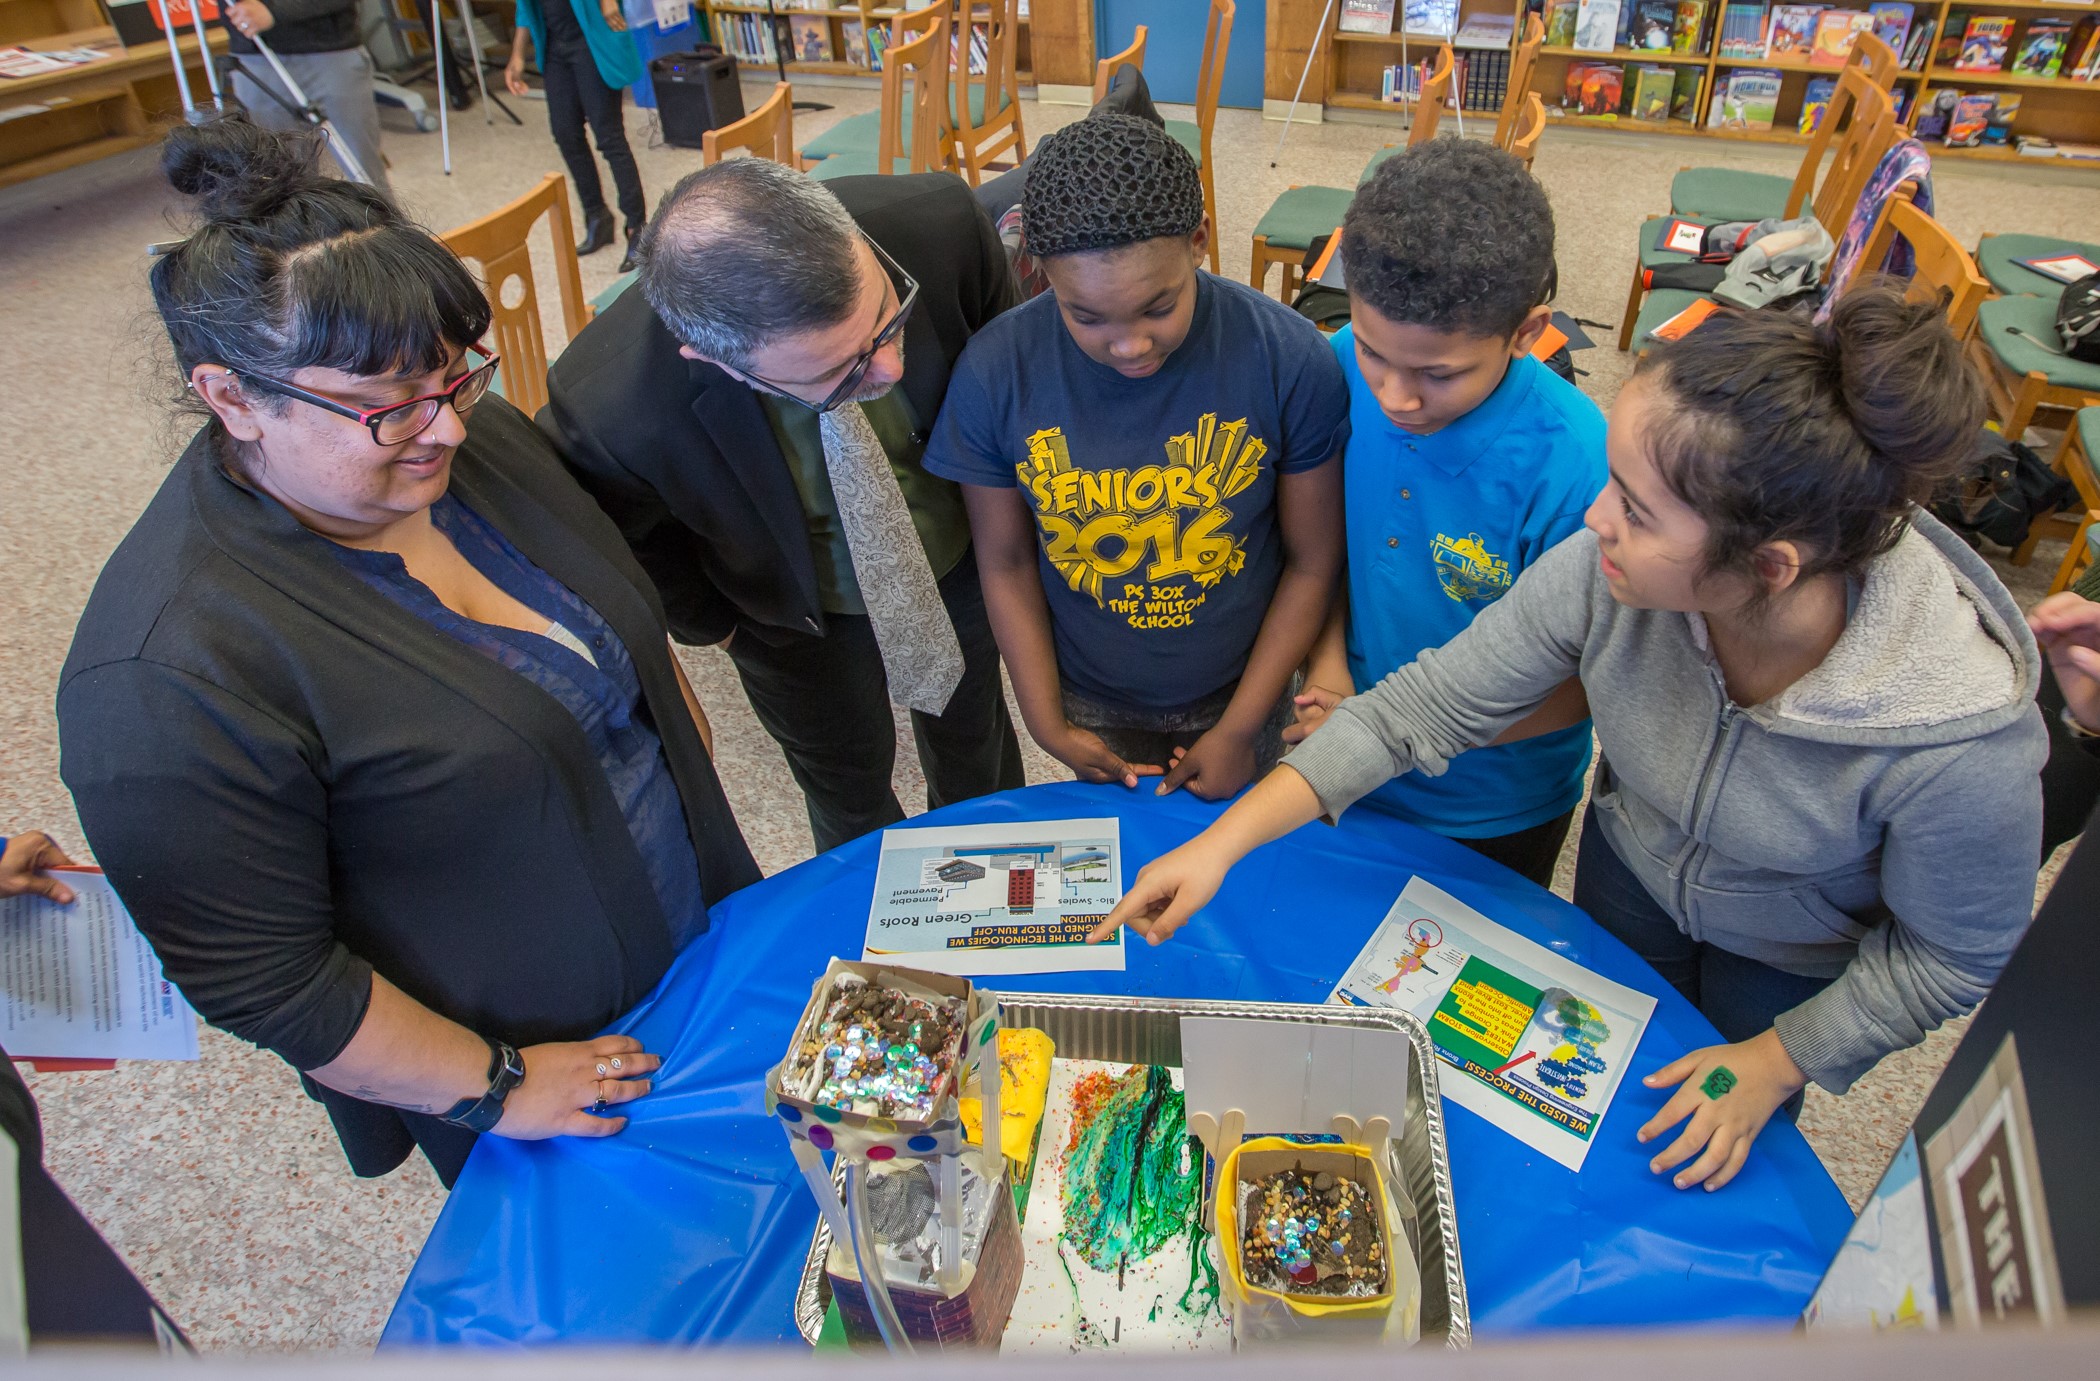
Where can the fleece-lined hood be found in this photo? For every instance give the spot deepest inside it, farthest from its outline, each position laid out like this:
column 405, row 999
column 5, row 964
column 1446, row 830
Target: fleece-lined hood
column 1929, row 592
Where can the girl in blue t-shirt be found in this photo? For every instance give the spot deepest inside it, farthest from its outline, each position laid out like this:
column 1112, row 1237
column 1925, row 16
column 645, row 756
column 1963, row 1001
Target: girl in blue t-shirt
column 1144, row 451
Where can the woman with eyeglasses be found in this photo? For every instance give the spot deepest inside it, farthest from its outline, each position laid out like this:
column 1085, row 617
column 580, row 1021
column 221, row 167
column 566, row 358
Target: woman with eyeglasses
column 372, row 720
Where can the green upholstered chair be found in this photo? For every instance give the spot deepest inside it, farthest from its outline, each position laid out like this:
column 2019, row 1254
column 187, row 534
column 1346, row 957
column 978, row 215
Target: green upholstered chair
column 1288, row 228
column 856, row 165
column 1996, row 257
column 981, row 139
column 612, row 291
column 1727, row 194
column 2023, row 375
column 2075, row 462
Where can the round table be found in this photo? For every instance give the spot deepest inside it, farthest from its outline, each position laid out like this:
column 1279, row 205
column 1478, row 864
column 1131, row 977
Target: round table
column 693, row 1223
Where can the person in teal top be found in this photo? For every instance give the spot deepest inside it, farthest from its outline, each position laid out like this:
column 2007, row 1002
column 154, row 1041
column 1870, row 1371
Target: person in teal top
column 1467, row 460
column 586, row 61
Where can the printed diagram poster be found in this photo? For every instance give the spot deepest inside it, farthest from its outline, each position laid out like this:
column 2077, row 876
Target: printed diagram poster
column 1882, row 1276
column 996, row 899
column 1537, row 1045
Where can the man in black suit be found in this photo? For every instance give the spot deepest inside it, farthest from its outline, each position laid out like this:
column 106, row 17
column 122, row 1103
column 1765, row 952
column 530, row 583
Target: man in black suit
column 753, row 418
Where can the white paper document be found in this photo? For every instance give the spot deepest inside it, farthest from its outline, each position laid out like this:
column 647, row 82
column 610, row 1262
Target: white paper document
column 1531, row 1042
column 997, row 899
column 79, row 982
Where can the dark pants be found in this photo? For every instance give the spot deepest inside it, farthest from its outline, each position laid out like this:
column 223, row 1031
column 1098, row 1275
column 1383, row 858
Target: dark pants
column 1739, row 996
column 576, row 93
column 826, row 701
column 1530, row 853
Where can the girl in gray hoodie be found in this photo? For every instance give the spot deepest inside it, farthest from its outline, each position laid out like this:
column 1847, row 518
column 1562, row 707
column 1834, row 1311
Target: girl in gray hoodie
column 1816, row 808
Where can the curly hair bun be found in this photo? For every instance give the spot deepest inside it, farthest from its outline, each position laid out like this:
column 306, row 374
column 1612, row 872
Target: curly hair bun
column 237, row 170
column 1903, row 381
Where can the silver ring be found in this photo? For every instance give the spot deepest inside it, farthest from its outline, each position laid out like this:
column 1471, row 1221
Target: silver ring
column 616, row 1062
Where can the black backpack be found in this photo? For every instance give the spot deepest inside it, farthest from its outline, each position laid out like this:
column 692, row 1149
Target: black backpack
column 2078, row 319
column 2003, row 491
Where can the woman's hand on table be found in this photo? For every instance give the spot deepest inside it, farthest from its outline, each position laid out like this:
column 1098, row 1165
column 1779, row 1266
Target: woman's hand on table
column 1729, row 1092
column 1314, row 704
column 1216, row 766
column 22, row 866
column 1168, row 890
column 1091, row 760
column 564, row 1080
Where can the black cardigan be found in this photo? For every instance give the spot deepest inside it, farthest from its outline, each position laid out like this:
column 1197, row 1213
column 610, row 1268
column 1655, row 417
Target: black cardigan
column 682, row 457
column 293, row 782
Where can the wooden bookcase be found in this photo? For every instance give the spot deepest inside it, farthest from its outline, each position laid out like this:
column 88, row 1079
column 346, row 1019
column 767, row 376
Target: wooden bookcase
column 2056, row 108
column 82, row 113
column 723, row 20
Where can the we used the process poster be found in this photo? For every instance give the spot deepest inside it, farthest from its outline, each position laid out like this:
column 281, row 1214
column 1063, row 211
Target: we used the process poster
column 1537, row 1044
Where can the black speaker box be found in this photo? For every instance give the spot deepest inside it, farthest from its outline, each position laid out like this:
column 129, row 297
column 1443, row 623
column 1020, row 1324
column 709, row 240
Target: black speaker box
column 695, row 92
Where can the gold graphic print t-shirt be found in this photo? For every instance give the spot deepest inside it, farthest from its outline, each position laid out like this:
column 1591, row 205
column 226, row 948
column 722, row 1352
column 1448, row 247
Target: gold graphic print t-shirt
column 1154, row 498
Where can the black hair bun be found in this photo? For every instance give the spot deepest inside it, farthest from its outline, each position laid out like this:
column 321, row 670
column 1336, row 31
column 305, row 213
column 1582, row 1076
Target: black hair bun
column 238, row 171
column 1904, row 382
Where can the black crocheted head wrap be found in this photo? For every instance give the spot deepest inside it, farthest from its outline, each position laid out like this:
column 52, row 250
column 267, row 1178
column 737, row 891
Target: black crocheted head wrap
column 1108, row 181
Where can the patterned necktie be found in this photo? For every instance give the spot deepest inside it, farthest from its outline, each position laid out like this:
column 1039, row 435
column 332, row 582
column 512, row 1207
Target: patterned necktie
column 919, row 650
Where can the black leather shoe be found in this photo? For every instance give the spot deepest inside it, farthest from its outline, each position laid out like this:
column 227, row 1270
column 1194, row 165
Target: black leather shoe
column 597, row 230
column 634, row 240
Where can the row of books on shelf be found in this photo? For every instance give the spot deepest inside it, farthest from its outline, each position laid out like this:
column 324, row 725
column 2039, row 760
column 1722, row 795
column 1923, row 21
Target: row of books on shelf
column 747, row 38
column 1823, row 35
column 1480, row 79
column 1748, row 98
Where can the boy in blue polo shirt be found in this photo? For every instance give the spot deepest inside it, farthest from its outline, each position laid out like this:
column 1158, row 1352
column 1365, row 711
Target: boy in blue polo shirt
column 1467, row 459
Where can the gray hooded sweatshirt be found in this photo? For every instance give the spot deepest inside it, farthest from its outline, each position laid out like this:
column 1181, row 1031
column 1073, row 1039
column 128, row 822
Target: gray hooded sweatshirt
column 1877, row 822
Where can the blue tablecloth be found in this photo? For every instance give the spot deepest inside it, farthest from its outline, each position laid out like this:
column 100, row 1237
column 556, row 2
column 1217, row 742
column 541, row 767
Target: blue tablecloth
column 692, row 1225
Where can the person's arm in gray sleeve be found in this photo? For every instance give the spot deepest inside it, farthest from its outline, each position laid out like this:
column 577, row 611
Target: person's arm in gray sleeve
column 1463, row 694
column 1957, row 875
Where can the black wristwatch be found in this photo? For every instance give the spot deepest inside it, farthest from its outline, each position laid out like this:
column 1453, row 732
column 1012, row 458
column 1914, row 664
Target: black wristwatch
column 506, row 1072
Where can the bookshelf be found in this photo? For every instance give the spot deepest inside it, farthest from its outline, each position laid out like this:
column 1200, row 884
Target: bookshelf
column 1357, row 62
column 92, row 110
column 839, row 30
column 2059, row 108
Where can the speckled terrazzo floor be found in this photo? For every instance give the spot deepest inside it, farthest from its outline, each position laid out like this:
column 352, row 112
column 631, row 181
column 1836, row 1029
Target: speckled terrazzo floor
column 223, row 1186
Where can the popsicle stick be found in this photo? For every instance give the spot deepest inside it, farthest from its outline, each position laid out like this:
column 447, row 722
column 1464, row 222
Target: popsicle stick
column 811, row 1162
column 948, row 1204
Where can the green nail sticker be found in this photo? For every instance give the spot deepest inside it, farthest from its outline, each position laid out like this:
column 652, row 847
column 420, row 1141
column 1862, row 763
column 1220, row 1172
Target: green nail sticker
column 1718, row 1082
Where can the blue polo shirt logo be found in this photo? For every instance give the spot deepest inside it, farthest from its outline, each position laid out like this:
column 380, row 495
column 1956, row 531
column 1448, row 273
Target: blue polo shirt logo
column 1468, row 571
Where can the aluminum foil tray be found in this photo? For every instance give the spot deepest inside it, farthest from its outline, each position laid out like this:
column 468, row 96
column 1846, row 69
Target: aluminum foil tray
column 1137, row 1030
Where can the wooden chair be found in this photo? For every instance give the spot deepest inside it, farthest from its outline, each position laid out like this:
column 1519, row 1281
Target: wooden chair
column 1943, row 266
column 767, row 132
column 1871, row 130
column 1436, row 90
column 861, row 135
column 1105, row 69
column 498, row 243
column 987, row 114
column 1729, row 194
column 1529, row 126
column 1520, row 67
column 914, row 136
column 2074, row 459
column 1195, row 135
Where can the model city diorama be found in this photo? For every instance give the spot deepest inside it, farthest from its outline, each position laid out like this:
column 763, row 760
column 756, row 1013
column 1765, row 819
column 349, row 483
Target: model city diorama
column 1111, row 1215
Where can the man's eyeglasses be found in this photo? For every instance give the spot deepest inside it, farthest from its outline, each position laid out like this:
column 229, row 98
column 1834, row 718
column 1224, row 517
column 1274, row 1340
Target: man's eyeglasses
column 907, row 289
column 400, row 422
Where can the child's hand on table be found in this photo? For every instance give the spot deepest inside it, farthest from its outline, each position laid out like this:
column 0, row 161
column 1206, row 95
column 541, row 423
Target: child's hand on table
column 1168, row 891
column 1314, row 704
column 1094, row 761
column 1730, row 1092
column 1215, row 767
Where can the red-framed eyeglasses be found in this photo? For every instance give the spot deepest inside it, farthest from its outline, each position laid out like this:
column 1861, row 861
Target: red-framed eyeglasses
column 399, row 422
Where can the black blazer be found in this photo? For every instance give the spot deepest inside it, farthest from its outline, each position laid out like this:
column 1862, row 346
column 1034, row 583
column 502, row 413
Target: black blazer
column 682, row 456
column 293, row 782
